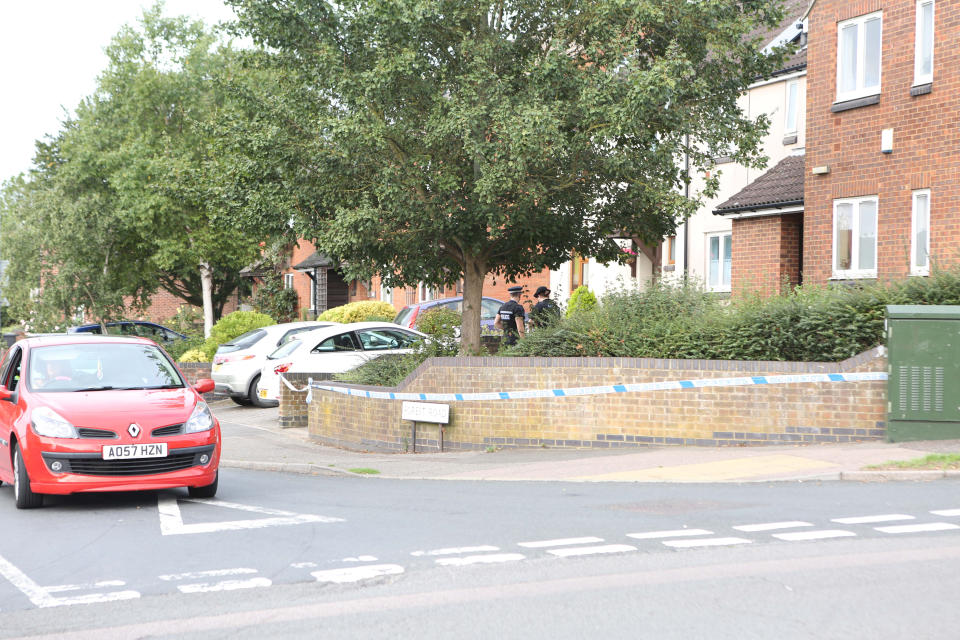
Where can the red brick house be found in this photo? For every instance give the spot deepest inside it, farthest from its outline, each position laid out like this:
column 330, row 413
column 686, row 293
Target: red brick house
column 880, row 192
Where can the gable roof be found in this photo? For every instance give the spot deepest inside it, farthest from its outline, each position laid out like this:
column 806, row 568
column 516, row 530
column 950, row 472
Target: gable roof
column 315, row 260
column 781, row 186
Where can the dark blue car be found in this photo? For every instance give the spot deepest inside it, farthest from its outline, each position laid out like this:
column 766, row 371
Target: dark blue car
column 488, row 311
column 151, row 330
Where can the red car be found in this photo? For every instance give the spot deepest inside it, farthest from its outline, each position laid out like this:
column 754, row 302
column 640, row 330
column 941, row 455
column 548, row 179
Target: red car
column 85, row 413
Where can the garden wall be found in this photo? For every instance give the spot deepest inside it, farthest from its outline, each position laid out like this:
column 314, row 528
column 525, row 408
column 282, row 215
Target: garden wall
column 749, row 414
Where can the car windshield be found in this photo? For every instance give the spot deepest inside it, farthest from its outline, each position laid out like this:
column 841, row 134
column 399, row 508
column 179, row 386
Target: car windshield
column 285, row 349
column 99, row 366
column 404, row 316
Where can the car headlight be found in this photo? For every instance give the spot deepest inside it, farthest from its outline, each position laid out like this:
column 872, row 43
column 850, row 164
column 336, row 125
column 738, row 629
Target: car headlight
column 47, row 422
column 200, row 420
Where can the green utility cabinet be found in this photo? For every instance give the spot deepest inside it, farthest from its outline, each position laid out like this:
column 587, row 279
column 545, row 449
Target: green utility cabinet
column 923, row 386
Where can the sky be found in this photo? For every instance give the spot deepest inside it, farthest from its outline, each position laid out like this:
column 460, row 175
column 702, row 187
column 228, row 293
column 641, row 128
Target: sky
column 51, row 52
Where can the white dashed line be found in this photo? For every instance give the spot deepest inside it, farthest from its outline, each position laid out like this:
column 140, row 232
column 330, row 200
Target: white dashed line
column 85, row 587
column 224, row 585
column 678, row 533
column 889, row 517
column 946, row 512
column 304, row 565
column 771, row 526
column 41, row 597
column 360, row 559
column 796, row 536
column 212, row 573
column 706, row 542
column 560, row 542
column 589, row 551
column 455, row 550
column 918, row 528
column 356, row 574
column 485, row 559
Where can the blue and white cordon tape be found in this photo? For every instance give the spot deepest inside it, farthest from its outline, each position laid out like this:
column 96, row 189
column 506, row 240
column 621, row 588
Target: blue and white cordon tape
column 592, row 391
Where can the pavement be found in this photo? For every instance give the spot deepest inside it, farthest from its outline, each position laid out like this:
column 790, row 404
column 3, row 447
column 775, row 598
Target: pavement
column 253, row 439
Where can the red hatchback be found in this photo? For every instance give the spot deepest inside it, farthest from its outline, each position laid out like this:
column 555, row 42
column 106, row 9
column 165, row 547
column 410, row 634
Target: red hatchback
column 97, row 413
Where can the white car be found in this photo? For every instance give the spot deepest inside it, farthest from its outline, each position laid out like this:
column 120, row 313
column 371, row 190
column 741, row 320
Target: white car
column 237, row 364
column 333, row 350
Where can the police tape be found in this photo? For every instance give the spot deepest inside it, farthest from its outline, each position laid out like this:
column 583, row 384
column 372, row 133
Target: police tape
column 606, row 389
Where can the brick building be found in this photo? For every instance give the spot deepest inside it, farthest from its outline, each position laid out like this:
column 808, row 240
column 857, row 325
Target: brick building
column 883, row 151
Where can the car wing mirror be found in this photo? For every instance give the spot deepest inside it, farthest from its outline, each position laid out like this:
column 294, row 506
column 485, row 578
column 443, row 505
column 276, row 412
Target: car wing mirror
column 5, row 394
column 204, row 385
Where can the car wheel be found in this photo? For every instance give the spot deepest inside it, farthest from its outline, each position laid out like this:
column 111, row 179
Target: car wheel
column 255, row 396
column 25, row 497
column 243, row 401
column 208, row 491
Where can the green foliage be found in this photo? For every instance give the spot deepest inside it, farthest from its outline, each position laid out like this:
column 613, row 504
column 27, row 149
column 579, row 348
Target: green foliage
column 272, row 297
column 810, row 323
column 194, row 355
column 443, row 326
column 385, row 371
column 455, row 139
column 179, row 348
column 362, row 311
column 581, row 300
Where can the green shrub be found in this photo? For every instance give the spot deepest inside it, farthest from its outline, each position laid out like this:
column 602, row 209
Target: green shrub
column 363, row 311
column 385, row 371
column 232, row 326
column 177, row 348
column 193, row 355
column 580, row 301
column 442, row 324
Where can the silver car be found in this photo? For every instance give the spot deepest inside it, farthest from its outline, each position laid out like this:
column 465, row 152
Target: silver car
column 237, row 364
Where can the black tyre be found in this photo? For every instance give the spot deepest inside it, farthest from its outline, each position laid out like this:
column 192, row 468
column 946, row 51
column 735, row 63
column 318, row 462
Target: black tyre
column 26, row 498
column 255, row 397
column 208, row 491
column 243, row 401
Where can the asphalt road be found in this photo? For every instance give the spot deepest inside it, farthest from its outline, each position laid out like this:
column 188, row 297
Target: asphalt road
column 294, row 555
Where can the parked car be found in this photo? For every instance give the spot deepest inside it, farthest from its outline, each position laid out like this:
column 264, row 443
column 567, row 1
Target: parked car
column 237, row 364
column 151, row 330
column 333, row 350
column 102, row 413
column 488, row 311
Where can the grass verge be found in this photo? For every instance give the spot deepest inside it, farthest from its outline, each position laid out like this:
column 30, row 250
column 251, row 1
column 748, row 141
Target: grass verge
column 934, row 461
column 364, row 470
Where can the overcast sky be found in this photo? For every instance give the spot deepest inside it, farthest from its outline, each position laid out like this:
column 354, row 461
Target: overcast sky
column 51, row 52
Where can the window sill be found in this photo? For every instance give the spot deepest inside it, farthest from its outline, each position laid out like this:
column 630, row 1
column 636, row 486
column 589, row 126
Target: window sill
column 669, row 267
column 866, row 275
column 790, row 139
column 921, row 89
column 919, row 274
column 856, row 103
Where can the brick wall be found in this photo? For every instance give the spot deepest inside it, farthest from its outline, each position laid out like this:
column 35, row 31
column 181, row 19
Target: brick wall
column 766, row 253
column 716, row 416
column 493, row 287
column 925, row 142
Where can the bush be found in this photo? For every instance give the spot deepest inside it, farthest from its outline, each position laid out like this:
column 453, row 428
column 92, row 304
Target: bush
column 364, row 311
column 443, row 326
column 385, row 371
column 226, row 329
column 580, row 301
column 194, row 355
column 178, row 348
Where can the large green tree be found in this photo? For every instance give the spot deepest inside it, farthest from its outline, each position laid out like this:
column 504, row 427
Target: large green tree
column 125, row 187
column 448, row 139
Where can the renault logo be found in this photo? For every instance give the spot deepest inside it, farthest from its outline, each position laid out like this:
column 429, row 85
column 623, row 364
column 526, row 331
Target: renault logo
column 133, row 429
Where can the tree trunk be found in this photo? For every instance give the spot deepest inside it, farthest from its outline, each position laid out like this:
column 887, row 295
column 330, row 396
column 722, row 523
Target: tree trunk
column 474, row 271
column 206, row 286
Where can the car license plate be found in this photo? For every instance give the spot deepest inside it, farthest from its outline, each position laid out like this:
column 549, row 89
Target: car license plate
column 127, row 451
column 216, row 367
column 263, row 393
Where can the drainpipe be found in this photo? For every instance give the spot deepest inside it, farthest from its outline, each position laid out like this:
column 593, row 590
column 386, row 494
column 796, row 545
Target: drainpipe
column 686, row 223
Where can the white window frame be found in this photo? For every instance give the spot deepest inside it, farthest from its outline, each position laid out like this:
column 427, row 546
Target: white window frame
column 386, row 294
column 920, row 77
column 915, row 270
column 854, row 271
column 859, row 90
column 288, row 281
column 725, row 239
column 792, row 100
column 313, row 294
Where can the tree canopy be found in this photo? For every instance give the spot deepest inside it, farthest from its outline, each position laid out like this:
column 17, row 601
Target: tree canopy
column 434, row 140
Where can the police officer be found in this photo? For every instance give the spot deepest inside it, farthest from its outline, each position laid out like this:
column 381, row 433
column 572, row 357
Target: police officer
column 546, row 311
column 511, row 316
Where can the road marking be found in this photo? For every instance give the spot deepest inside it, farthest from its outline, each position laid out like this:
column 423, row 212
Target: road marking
column 41, row 596
column 454, row 550
column 795, row 536
column 85, row 587
column 540, row 544
column 304, row 565
column 356, row 574
column 918, row 528
column 171, row 522
column 887, row 517
column 485, row 559
column 946, row 512
column 706, row 542
column 360, row 559
column 589, row 551
column 225, row 585
column 771, row 526
column 212, row 573
column 676, row 533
